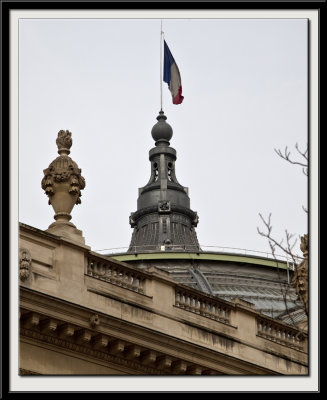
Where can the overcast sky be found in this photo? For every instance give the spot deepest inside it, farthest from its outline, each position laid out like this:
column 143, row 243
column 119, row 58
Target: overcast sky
column 245, row 93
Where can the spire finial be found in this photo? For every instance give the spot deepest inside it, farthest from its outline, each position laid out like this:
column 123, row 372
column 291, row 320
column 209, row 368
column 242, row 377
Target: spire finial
column 162, row 132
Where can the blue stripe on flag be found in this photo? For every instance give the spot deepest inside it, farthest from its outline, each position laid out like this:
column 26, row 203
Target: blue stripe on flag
column 168, row 62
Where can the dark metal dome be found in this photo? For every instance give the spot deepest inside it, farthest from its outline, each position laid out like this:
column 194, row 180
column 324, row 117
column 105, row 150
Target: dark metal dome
column 163, row 220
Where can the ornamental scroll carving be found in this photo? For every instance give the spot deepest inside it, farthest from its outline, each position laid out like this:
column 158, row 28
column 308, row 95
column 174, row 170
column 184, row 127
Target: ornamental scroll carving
column 301, row 274
column 25, row 262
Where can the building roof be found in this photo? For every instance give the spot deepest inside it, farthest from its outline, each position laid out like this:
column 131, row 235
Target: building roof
column 262, row 281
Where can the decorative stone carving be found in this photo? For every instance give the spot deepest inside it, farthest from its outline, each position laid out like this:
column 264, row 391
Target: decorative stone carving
column 62, row 181
column 164, row 206
column 301, row 274
column 25, row 261
column 94, row 320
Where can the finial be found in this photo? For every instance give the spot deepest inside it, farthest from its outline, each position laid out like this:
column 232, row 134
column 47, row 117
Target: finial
column 62, row 181
column 161, row 131
column 64, row 142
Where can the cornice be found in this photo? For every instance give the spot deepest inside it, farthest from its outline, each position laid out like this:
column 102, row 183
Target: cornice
column 83, row 349
column 36, row 316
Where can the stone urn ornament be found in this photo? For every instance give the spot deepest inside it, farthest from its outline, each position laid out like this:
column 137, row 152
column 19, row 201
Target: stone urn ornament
column 62, row 183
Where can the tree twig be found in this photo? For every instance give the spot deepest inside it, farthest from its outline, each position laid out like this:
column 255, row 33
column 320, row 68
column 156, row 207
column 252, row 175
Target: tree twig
column 286, row 156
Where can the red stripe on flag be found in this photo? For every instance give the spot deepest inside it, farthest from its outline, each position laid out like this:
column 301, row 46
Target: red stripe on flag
column 178, row 98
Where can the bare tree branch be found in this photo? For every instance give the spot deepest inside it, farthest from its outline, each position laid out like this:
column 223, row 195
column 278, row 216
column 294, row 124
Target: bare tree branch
column 303, row 154
column 287, row 248
column 287, row 156
column 273, row 243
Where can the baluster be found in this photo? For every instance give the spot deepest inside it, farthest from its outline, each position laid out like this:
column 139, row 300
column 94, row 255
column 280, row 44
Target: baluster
column 140, row 285
column 177, row 299
column 134, row 282
column 96, row 271
column 114, row 276
column 214, row 311
column 202, row 307
column 102, row 271
column 280, row 335
column 191, row 306
column 259, row 328
column 227, row 311
column 264, row 330
column 108, row 273
column 130, row 281
column 293, row 339
column 221, row 314
column 90, row 267
column 209, row 310
column 182, row 300
column 187, row 302
column 125, row 277
column 121, row 277
column 283, row 336
column 218, row 309
column 197, row 306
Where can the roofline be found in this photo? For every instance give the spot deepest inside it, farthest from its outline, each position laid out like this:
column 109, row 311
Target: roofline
column 207, row 256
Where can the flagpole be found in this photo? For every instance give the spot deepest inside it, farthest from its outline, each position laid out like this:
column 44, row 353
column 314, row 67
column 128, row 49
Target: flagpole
column 161, row 77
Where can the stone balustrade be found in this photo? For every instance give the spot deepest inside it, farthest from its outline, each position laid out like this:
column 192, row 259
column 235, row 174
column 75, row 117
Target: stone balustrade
column 202, row 305
column 280, row 333
column 116, row 274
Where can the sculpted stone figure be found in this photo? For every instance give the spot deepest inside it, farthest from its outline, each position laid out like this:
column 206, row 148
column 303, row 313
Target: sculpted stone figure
column 301, row 275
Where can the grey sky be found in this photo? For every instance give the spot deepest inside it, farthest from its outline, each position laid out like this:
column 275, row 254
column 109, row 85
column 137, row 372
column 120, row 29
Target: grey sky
column 245, row 88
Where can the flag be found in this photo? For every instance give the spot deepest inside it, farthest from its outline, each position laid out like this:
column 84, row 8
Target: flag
column 172, row 76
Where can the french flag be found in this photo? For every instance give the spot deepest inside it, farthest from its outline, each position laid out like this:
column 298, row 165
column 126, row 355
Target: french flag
column 172, row 76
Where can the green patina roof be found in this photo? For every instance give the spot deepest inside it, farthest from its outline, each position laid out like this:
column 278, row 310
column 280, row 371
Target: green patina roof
column 236, row 258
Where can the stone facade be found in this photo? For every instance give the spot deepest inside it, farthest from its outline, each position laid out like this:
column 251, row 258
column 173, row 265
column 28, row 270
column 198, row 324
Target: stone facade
column 86, row 314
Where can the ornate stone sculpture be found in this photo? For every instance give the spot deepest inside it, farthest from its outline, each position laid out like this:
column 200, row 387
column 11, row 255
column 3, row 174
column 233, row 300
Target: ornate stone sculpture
column 25, row 261
column 301, row 275
column 63, row 182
